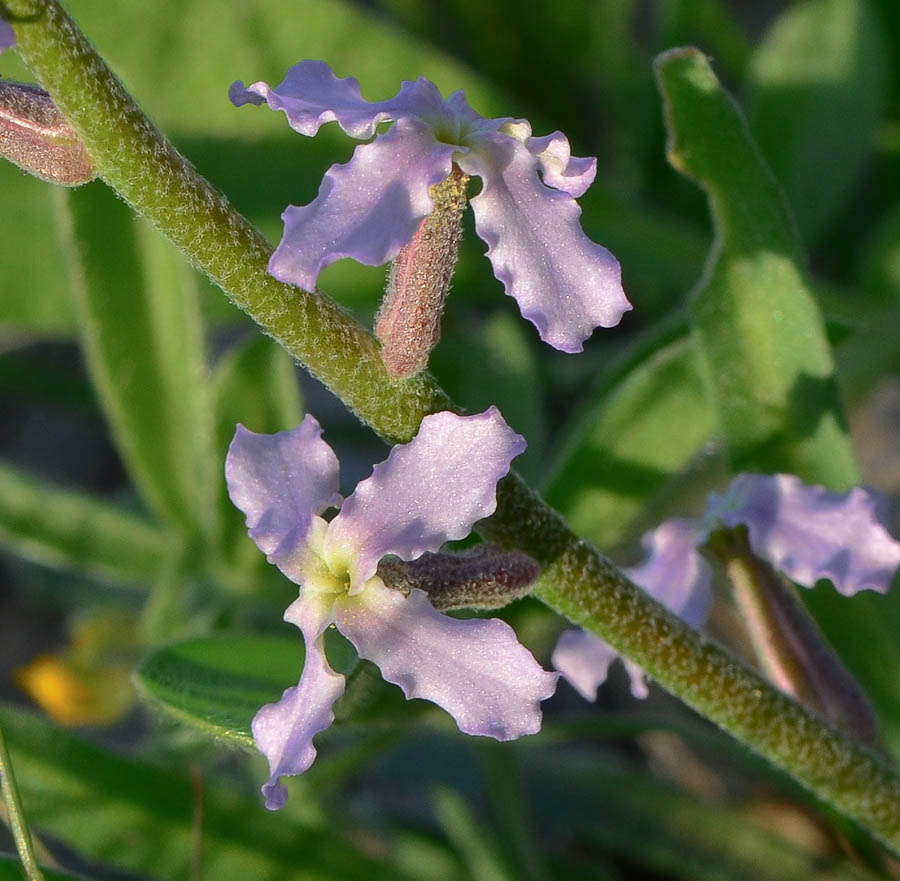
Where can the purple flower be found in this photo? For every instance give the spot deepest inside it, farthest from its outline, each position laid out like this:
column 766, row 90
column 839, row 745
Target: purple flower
column 806, row 532
column 7, row 35
column 426, row 493
column 526, row 212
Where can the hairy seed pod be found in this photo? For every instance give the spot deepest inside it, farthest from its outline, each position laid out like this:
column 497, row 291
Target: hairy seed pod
column 484, row 578
column 408, row 324
column 36, row 136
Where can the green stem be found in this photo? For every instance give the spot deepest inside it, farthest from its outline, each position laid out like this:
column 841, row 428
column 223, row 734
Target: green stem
column 17, row 822
column 580, row 583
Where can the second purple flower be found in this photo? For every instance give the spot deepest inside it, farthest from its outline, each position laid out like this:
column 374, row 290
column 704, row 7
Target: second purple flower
column 368, row 209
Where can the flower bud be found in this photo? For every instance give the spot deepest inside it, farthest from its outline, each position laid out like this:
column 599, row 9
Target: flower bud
column 483, row 578
column 36, row 136
column 408, row 322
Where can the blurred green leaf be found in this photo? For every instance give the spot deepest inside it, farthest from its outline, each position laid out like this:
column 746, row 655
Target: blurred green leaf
column 33, row 298
column 142, row 335
column 75, row 532
column 11, row 870
column 473, row 843
column 758, row 328
column 141, row 817
column 816, row 90
column 494, row 362
column 218, row 683
column 255, row 384
column 659, row 828
column 632, row 436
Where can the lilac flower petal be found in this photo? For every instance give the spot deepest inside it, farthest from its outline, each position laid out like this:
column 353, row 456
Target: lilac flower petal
column 559, row 168
column 674, row 572
column 311, row 95
column 367, row 209
column 280, row 481
column 475, row 669
column 583, row 658
column 810, row 533
column 7, row 35
column 284, row 731
column 425, row 493
column 565, row 284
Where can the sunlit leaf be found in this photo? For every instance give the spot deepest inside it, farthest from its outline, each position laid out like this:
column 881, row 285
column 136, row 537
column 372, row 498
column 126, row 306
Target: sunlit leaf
column 816, row 91
column 142, row 335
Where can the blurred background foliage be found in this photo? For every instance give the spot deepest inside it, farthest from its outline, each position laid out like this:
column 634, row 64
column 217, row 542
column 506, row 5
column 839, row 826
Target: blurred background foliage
column 123, row 372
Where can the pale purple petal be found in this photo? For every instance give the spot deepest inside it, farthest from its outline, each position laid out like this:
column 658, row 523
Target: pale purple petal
column 7, row 35
column 565, row 284
column 674, row 573
column 559, row 168
column 311, row 95
column 280, row 481
column 425, row 493
column 583, row 658
column 367, row 209
column 810, row 533
column 475, row 669
column 284, row 731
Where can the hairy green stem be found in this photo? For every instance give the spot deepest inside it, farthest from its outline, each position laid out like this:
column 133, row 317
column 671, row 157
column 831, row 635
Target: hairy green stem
column 17, row 824
column 134, row 158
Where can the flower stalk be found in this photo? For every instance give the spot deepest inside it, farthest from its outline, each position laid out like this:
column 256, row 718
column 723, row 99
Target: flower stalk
column 17, row 822
column 577, row 581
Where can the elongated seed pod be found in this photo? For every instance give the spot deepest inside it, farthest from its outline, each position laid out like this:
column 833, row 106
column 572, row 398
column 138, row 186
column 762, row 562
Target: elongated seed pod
column 484, row 578
column 408, row 324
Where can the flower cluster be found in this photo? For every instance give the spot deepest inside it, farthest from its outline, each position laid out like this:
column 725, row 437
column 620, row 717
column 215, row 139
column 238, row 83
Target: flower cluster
column 369, row 208
column 805, row 532
column 426, row 493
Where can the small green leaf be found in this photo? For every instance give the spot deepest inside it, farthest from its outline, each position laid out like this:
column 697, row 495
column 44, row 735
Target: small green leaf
column 142, row 334
column 759, row 331
column 631, row 438
column 817, row 88
column 142, row 817
column 72, row 531
column 217, row 684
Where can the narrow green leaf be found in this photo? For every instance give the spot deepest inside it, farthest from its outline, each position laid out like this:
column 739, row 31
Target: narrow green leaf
column 759, row 331
column 256, row 385
column 630, row 439
column 143, row 339
column 217, row 684
column 140, row 817
column 72, row 531
column 816, row 90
